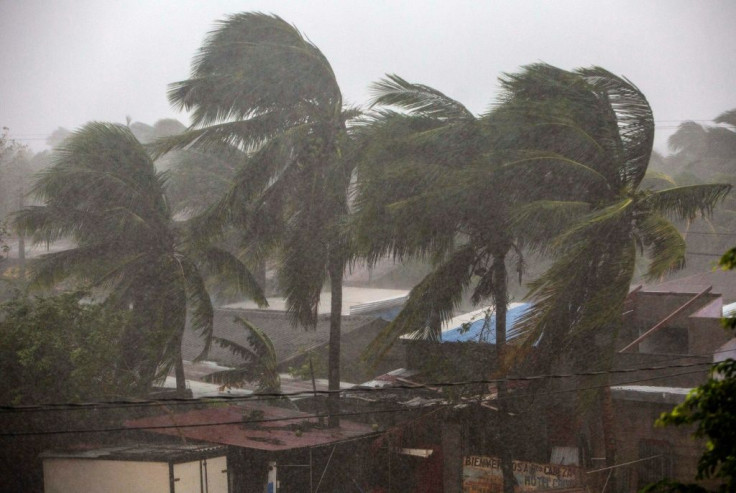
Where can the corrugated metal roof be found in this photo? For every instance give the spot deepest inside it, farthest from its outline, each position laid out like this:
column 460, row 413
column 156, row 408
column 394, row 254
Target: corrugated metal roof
column 478, row 327
column 253, row 426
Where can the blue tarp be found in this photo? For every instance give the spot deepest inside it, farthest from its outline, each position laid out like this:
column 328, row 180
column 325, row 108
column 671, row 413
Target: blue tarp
column 483, row 330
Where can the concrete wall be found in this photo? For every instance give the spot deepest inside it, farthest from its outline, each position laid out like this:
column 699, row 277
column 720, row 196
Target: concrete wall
column 634, row 423
column 695, row 331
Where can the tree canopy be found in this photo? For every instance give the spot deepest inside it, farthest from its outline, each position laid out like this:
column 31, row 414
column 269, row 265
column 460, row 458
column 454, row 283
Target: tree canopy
column 104, row 193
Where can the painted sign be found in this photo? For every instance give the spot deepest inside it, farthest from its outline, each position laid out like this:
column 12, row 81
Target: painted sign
column 483, row 475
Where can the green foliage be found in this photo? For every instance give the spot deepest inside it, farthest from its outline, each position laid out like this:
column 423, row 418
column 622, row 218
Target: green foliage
column 259, row 361
column 258, row 86
column 591, row 133
column 103, row 192
column 429, row 187
column 61, row 349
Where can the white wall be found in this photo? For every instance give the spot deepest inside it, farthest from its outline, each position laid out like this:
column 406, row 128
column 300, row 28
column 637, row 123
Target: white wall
column 105, row 476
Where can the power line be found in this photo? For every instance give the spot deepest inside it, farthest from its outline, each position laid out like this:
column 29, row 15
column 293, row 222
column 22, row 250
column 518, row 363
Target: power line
column 216, row 423
column 435, row 406
column 277, row 395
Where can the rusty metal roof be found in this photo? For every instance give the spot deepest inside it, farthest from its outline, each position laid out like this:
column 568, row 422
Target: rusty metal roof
column 253, row 426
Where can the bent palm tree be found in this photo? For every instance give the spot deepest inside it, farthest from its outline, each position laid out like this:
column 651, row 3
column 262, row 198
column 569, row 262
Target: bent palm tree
column 592, row 133
column 427, row 188
column 103, row 192
column 596, row 127
column 258, row 85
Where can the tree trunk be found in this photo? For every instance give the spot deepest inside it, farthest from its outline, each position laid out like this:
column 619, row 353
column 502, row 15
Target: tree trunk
column 333, row 375
column 500, row 300
column 181, row 382
column 260, row 275
column 609, row 437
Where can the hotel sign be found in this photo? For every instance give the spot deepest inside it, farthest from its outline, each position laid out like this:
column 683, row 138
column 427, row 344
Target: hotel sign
column 483, row 475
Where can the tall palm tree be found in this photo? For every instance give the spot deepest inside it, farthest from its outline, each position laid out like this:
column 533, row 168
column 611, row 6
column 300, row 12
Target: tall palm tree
column 260, row 86
column 592, row 134
column 427, row 187
column 104, row 193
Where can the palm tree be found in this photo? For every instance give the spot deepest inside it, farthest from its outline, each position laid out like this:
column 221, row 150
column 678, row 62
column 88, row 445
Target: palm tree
column 103, row 192
column 260, row 86
column 427, row 187
column 592, row 135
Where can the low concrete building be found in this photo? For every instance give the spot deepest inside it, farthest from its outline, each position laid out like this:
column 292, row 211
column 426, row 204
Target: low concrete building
column 138, row 469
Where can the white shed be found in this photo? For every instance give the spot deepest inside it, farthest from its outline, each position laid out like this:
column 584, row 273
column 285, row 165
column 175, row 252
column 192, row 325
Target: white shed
column 138, row 469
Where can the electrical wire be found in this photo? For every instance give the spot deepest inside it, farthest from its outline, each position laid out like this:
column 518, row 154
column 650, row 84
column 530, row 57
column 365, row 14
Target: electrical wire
column 305, row 393
column 435, row 406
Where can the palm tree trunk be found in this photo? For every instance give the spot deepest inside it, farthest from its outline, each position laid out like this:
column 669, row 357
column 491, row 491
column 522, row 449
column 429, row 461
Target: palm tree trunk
column 181, row 382
column 500, row 300
column 335, row 270
column 609, row 436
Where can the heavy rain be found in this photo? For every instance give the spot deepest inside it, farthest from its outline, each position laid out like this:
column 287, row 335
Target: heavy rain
column 452, row 246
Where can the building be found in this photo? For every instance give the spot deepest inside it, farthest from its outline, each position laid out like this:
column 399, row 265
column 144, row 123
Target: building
column 171, row 468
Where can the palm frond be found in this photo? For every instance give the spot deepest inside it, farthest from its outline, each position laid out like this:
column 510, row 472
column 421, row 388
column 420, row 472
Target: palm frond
column 245, row 135
column 250, row 64
column 417, row 98
column 687, row 135
column 687, row 202
column 303, row 267
column 198, row 303
column 231, row 271
column 536, row 224
column 665, row 245
column 259, row 361
column 633, row 118
column 82, row 262
column 727, row 117
column 430, row 303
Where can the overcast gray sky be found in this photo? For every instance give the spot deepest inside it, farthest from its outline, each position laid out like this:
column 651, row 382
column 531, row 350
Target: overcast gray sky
column 66, row 62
